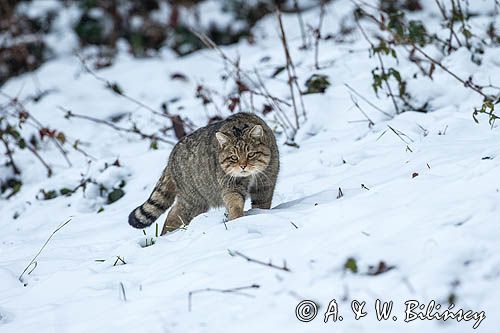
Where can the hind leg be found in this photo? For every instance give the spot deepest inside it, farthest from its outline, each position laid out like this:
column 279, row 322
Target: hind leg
column 180, row 216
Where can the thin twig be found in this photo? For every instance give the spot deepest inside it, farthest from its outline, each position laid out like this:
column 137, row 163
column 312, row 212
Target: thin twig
column 452, row 30
column 40, row 158
column 382, row 66
column 305, row 44
column 236, row 291
column 467, row 83
column 112, row 87
column 317, row 33
column 400, row 134
column 122, row 289
column 284, row 121
column 290, row 66
column 441, row 9
column 36, row 123
column 355, row 102
column 367, row 101
column 291, row 79
column 76, row 147
column 268, row 264
column 119, row 259
column 70, row 114
column 266, row 95
column 9, row 155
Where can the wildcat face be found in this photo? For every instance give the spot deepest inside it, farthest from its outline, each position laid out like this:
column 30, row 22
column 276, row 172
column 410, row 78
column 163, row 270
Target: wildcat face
column 243, row 152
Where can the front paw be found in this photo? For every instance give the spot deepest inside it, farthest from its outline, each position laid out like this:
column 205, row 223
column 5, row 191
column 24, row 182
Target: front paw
column 234, row 216
column 234, row 213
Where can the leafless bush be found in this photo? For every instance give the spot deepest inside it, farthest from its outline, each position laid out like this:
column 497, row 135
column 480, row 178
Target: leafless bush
column 411, row 36
column 249, row 83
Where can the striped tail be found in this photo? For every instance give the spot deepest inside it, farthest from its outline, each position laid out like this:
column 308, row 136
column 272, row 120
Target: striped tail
column 159, row 201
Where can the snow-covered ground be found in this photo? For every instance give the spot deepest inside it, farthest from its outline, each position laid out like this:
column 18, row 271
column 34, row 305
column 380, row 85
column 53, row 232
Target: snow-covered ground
column 426, row 202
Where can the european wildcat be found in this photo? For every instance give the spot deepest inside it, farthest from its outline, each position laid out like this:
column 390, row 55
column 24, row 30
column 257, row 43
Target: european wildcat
column 214, row 166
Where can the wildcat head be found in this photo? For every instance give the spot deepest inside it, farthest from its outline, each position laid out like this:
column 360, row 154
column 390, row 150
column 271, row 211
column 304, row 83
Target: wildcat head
column 243, row 151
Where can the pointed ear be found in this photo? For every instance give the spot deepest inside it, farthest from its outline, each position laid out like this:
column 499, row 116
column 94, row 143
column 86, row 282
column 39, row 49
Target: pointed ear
column 222, row 138
column 256, row 132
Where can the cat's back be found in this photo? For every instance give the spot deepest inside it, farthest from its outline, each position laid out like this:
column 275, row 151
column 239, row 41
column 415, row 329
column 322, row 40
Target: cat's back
column 205, row 136
column 196, row 152
column 201, row 145
column 198, row 142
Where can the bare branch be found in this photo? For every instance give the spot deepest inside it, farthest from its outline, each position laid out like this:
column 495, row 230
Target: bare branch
column 288, row 70
column 70, row 114
column 317, row 33
column 367, row 101
column 236, row 291
column 113, row 87
column 467, row 83
column 9, row 155
column 284, row 121
column 305, row 44
column 382, row 67
column 45, row 164
column 24, row 113
column 355, row 102
column 268, row 264
column 292, row 75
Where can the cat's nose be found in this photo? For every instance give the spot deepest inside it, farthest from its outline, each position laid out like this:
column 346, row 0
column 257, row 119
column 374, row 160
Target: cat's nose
column 243, row 167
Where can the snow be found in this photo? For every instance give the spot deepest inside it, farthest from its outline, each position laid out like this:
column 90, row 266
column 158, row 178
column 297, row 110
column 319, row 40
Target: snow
column 428, row 206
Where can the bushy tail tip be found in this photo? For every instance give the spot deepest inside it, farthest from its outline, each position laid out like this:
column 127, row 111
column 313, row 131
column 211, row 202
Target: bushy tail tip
column 138, row 220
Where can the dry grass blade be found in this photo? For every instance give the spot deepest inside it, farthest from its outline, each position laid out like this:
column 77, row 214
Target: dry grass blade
column 400, row 134
column 367, row 100
column 33, row 261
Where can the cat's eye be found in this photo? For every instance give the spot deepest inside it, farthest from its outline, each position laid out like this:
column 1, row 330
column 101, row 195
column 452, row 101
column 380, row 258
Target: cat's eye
column 252, row 154
column 233, row 158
